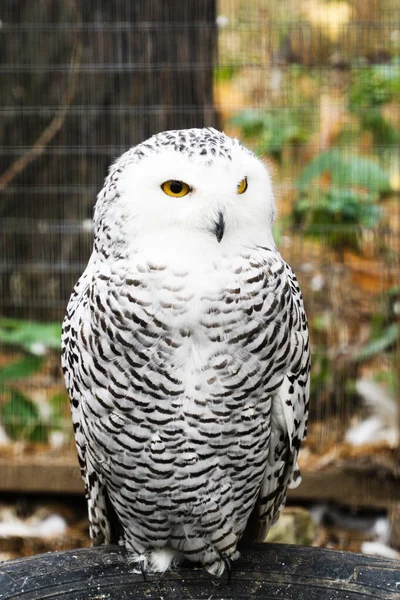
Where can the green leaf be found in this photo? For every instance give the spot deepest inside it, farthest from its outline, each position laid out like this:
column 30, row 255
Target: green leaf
column 393, row 292
column 21, row 419
column 374, row 86
column 338, row 214
column 251, row 122
column 224, row 72
column 27, row 333
column 388, row 378
column 319, row 323
column 383, row 342
column 345, row 170
column 21, row 368
column 59, row 408
column 384, row 132
column 274, row 129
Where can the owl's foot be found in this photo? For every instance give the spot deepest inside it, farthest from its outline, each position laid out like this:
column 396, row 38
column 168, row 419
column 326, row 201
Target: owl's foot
column 141, row 561
column 143, row 565
column 155, row 561
column 228, row 566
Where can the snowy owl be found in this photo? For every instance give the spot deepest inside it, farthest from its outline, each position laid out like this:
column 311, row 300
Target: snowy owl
column 185, row 354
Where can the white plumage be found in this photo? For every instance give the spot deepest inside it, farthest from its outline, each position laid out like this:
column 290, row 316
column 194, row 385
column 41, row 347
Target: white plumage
column 185, row 353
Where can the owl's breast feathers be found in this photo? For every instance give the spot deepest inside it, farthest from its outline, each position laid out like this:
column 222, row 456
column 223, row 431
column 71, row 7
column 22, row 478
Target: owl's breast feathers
column 174, row 375
column 167, row 333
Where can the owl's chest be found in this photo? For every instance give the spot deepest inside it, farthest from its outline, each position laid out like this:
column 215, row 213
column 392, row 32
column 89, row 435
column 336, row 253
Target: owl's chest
column 194, row 334
column 188, row 309
column 201, row 302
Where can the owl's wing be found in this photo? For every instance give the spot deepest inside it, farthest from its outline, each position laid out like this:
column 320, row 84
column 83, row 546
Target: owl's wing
column 288, row 421
column 102, row 519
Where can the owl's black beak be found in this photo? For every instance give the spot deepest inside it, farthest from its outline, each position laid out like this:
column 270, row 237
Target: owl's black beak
column 219, row 226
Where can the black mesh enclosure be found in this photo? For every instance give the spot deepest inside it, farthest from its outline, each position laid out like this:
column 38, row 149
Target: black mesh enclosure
column 81, row 83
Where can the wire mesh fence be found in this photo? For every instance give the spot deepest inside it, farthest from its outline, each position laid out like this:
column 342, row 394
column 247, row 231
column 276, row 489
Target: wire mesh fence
column 311, row 85
column 81, row 83
column 314, row 87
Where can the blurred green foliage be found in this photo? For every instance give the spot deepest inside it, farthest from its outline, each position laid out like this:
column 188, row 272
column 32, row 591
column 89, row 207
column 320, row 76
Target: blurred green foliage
column 379, row 343
column 372, row 87
column 346, row 170
column 273, row 129
column 20, row 414
column 19, row 332
column 21, row 417
column 384, row 331
column 331, row 381
column 338, row 193
column 224, row 72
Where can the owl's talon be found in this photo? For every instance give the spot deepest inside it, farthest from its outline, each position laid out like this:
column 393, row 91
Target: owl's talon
column 142, row 564
column 228, row 566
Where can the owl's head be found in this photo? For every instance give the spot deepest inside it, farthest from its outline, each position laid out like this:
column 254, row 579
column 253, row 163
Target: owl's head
column 189, row 184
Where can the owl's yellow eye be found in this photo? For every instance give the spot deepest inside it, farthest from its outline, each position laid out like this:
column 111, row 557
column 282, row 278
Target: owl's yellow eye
column 174, row 188
column 242, row 186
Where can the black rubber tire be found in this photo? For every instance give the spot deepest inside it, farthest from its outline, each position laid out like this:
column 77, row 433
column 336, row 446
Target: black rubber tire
column 265, row 571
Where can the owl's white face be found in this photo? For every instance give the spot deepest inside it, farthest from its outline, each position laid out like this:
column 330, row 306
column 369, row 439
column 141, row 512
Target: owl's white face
column 214, row 201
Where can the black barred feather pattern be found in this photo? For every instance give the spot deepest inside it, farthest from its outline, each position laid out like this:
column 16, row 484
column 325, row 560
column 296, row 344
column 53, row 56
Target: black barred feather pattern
column 186, row 359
